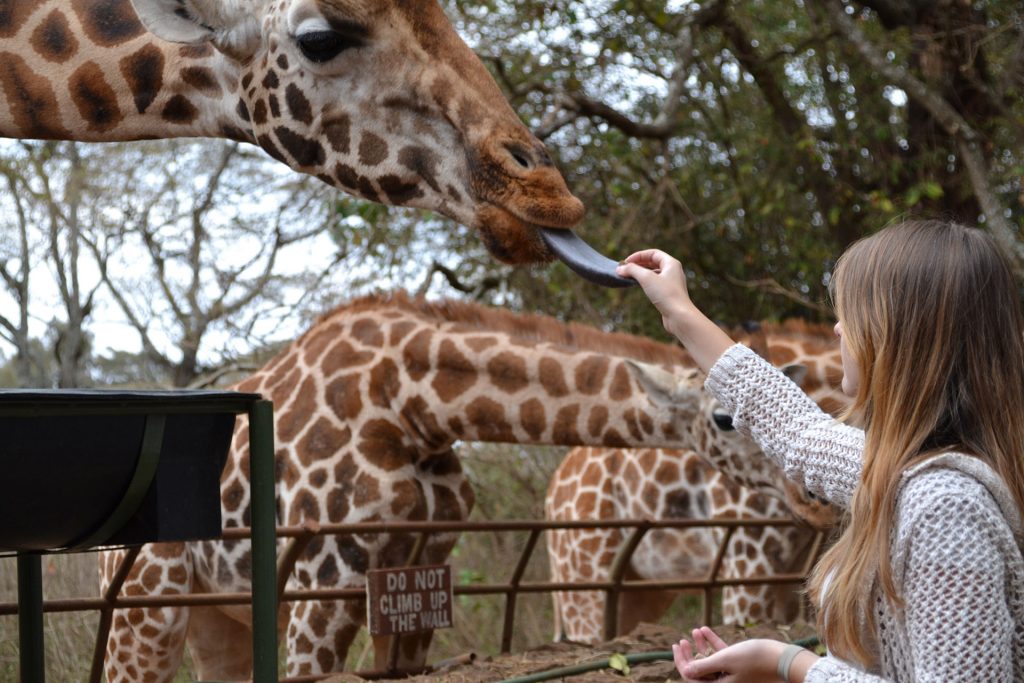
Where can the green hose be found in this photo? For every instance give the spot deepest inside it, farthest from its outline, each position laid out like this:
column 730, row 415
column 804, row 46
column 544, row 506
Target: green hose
column 561, row 672
column 631, row 660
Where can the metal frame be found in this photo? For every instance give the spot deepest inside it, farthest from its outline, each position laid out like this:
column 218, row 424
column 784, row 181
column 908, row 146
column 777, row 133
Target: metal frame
column 265, row 642
column 264, row 597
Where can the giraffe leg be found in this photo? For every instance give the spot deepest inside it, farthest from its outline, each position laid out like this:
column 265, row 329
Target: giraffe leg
column 220, row 647
column 320, row 634
column 147, row 644
column 640, row 606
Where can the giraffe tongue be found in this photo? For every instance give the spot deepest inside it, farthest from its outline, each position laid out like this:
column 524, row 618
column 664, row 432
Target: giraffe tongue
column 582, row 258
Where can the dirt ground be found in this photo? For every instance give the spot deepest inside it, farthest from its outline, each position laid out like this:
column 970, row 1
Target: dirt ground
column 646, row 638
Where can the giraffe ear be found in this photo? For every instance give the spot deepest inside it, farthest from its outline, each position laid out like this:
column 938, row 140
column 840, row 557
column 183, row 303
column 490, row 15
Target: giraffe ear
column 173, row 21
column 796, row 372
column 659, row 384
column 199, row 21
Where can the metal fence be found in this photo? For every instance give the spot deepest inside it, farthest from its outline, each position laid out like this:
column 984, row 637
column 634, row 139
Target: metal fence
column 298, row 537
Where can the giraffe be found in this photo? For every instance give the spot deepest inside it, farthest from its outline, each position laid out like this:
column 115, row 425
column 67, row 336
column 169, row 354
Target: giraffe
column 726, row 476
column 379, row 98
column 369, row 402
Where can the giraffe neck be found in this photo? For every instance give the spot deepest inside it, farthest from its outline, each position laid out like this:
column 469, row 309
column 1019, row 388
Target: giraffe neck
column 90, row 71
column 547, row 396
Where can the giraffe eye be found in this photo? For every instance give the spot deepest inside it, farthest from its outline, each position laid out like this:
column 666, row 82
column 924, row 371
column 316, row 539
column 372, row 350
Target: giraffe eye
column 323, row 46
column 723, row 421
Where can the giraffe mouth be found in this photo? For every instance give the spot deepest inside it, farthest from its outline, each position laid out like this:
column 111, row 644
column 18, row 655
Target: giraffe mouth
column 582, row 258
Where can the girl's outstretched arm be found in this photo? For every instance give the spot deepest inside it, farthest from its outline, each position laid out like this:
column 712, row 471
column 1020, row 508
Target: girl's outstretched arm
column 664, row 282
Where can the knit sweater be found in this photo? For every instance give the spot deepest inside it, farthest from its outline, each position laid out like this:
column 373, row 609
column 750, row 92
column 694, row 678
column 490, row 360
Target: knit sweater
column 956, row 546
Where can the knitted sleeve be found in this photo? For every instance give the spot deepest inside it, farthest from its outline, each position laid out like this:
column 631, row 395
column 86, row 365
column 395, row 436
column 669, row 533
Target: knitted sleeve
column 810, row 445
column 957, row 613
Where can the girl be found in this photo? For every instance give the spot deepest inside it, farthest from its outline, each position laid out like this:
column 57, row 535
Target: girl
column 926, row 582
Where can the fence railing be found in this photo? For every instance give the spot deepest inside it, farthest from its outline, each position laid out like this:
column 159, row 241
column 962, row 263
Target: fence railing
column 297, row 537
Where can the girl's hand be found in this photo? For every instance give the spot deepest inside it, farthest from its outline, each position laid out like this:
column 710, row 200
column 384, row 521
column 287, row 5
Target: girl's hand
column 750, row 661
column 664, row 282
column 661, row 277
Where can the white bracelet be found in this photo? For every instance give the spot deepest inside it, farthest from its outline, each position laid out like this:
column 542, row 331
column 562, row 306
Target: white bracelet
column 786, row 660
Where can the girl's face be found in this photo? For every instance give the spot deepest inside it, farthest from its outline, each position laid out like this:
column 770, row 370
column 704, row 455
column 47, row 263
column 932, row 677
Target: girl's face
column 851, row 374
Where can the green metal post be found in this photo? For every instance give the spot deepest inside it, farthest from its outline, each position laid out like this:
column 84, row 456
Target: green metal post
column 30, row 618
column 264, row 541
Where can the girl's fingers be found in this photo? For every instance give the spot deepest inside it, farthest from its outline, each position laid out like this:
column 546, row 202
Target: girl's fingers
column 713, row 638
column 681, row 655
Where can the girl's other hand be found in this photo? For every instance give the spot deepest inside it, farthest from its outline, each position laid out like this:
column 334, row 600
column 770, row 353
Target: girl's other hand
column 712, row 659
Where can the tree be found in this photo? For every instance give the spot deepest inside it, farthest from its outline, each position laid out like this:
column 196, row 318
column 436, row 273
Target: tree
column 757, row 138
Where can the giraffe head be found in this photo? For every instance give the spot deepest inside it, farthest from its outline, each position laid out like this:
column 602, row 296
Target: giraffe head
column 708, row 429
column 382, row 99
column 748, row 466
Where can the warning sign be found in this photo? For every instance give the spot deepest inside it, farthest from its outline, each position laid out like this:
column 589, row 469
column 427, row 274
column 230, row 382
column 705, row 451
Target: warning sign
column 409, row 600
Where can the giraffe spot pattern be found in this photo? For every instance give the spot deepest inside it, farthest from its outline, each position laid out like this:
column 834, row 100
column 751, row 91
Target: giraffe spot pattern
column 620, row 388
column 293, row 419
column 479, row 344
column 32, row 102
column 343, row 396
column 507, row 372
column 597, row 420
column 422, row 162
column 552, row 378
column 367, row 491
column 399, row 191
column 53, row 39
column 446, row 504
column 201, row 78
column 197, row 51
column 13, row 14
column 337, row 131
column 298, row 105
column 533, row 418
column 94, row 98
column 416, row 355
column 372, row 149
column 367, row 331
column 259, row 113
column 564, row 430
column 590, row 374
column 384, row 383
column 321, row 442
column 456, row 374
column 387, row 442
column 343, row 356
column 270, row 147
column 305, row 151
column 178, row 109
column 305, row 506
column 143, row 71
column 108, row 22
column 488, row 418
column 316, row 342
column 232, row 496
column 353, row 555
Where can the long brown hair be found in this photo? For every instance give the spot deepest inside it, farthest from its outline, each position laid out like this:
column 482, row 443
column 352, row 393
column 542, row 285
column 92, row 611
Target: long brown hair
column 932, row 316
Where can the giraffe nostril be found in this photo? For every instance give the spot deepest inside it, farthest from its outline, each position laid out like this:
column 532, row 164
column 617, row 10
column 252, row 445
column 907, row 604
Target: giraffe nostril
column 520, row 155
